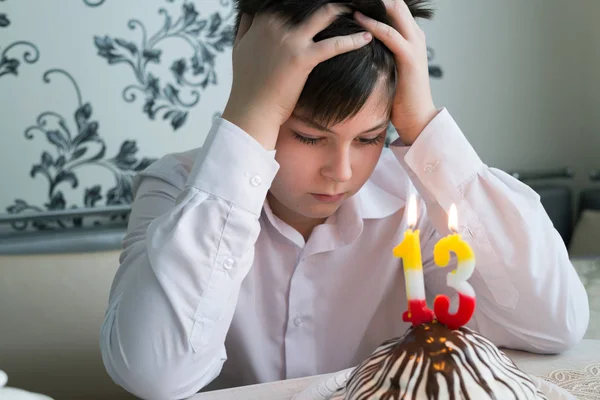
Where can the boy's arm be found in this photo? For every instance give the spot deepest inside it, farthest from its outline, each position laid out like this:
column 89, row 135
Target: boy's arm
column 188, row 247
column 529, row 296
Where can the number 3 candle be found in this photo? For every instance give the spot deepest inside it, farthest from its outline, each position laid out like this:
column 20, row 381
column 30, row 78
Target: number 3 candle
column 457, row 279
column 410, row 252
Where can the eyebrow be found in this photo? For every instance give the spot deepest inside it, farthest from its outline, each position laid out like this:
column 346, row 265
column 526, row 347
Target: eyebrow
column 320, row 127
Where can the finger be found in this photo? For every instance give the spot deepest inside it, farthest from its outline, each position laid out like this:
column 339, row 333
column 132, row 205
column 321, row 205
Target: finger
column 322, row 18
column 401, row 17
column 245, row 23
column 329, row 48
column 390, row 37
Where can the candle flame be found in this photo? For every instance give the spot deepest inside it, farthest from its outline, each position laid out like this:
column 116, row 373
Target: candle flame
column 453, row 218
column 412, row 211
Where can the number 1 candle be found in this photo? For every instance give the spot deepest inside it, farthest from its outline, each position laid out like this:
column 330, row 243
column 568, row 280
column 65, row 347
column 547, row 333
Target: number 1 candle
column 410, row 253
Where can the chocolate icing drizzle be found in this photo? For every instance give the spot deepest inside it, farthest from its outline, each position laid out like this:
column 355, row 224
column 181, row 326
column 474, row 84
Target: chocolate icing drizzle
column 434, row 353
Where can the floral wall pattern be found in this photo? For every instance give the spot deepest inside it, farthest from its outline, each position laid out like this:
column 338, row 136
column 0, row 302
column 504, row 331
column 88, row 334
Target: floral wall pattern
column 74, row 141
column 207, row 37
column 94, row 91
column 77, row 144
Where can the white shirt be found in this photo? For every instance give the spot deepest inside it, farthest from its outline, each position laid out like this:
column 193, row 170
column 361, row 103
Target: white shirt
column 213, row 285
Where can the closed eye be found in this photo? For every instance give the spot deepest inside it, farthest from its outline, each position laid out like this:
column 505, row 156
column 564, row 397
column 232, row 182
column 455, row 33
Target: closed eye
column 362, row 141
column 305, row 139
column 376, row 140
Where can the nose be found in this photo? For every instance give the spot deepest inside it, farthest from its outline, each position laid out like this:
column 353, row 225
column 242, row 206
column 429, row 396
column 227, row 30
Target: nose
column 338, row 166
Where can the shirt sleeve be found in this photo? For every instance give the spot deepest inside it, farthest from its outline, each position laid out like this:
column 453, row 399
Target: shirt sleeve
column 189, row 245
column 529, row 296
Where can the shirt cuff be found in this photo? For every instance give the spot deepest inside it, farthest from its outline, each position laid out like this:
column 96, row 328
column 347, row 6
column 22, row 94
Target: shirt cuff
column 440, row 163
column 233, row 166
column 441, row 159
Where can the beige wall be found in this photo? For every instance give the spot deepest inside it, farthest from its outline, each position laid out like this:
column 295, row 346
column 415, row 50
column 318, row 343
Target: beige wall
column 51, row 309
column 521, row 79
column 590, row 35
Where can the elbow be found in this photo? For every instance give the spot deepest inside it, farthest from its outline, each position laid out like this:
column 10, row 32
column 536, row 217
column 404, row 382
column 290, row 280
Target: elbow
column 562, row 327
column 562, row 312
column 143, row 380
column 568, row 338
column 150, row 376
column 576, row 323
column 152, row 381
column 571, row 329
column 155, row 384
column 135, row 379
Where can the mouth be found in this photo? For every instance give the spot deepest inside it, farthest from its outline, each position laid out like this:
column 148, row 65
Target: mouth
column 328, row 198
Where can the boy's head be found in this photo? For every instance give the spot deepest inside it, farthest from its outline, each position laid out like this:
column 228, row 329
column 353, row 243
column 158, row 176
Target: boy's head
column 338, row 88
column 333, row 140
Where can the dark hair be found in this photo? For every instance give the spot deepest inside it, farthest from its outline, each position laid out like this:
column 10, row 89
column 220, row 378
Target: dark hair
column 338, row 88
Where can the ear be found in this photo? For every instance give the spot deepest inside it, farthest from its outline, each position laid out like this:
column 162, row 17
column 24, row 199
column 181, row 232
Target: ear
column 244, row 26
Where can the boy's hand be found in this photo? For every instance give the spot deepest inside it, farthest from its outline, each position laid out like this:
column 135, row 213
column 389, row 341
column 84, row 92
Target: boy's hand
column 413, row 105
column 271, row 63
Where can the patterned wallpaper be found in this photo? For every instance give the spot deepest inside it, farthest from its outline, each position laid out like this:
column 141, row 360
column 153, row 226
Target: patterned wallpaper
column 169, row 62
column 93, row 91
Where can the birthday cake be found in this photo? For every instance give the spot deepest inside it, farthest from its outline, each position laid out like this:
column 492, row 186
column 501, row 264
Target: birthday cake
column 438, row 357
column 432, row 361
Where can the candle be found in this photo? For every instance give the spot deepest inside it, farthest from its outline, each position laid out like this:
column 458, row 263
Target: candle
column 457, row 279
column 410, row 253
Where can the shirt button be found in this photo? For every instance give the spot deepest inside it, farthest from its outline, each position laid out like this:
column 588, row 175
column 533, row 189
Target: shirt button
column 255, row 180
column 228, row 263
column 298, row 321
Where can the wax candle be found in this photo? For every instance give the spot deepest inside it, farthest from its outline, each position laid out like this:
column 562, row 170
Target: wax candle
column 457, row 279
column 410, row 253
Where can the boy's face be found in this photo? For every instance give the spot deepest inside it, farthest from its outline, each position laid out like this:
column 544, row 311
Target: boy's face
column 314, row 161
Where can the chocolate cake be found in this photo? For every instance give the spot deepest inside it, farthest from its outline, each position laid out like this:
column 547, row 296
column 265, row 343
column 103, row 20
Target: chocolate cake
column 432, row 361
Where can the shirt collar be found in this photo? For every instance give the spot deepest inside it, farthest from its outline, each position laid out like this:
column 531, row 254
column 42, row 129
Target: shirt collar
column 286, row 230
column 374, row 202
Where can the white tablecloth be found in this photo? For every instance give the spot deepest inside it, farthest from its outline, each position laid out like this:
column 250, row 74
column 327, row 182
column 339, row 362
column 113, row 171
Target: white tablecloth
column 577, row 370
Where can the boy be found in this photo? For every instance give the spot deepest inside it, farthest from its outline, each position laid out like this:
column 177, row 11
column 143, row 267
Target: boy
column 266, row 254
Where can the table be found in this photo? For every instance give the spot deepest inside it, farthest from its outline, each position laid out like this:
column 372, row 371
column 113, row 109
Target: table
column 577, row 371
